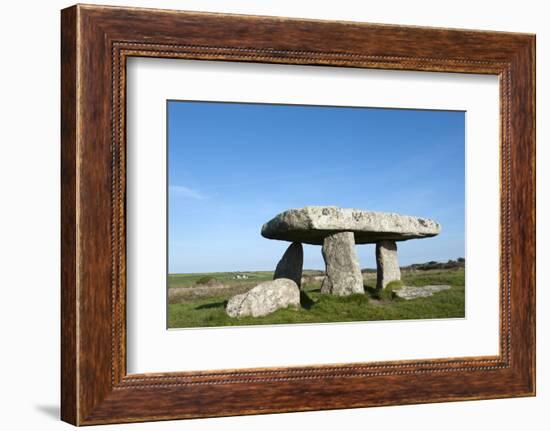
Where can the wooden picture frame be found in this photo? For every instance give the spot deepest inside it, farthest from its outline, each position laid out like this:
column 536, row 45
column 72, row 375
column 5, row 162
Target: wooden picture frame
column 95, row 43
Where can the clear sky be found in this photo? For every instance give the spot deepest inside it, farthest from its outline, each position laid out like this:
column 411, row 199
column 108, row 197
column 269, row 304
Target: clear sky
column 233, row 166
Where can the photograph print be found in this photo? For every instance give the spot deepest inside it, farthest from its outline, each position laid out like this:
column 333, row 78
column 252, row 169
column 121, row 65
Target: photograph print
column 301, row 214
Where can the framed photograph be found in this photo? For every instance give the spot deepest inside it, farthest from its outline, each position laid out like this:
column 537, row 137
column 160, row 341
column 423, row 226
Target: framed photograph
column 264, row 214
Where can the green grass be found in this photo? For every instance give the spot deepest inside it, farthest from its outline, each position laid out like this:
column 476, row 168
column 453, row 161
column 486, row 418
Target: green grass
column 206, row 311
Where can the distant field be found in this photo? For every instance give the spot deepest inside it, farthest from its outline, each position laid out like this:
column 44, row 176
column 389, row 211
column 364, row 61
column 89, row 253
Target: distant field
column 189, row 280
column 198, row 300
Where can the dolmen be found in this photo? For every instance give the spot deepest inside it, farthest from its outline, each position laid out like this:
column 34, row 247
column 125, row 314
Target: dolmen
column 338, row 230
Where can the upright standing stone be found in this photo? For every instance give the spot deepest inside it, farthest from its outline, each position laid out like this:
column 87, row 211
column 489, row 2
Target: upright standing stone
column 387, row 265
column 343, row 274
column 290, row 265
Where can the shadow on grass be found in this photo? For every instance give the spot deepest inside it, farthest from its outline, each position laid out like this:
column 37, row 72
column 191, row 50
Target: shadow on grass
column 211, row 305
column 305, row 300
column 370, row 290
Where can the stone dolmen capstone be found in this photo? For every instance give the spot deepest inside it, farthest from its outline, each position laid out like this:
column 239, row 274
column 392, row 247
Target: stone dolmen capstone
column 314, row 224
column 264, row 299
column 290, row 265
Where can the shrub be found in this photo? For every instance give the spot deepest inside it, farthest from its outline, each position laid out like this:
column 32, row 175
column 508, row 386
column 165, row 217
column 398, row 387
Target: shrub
column 387, row 294
column 207, row 279
column 450, row 264
column 395, row 284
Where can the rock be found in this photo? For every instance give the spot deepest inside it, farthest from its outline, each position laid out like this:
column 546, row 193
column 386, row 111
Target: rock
column 386, row 264
column 409, row 292
column 290, row 265
column 265, row 298
column 343, row 274
column 312, row 224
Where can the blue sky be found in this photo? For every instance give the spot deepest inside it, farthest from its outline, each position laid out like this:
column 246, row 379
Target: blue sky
column 233, row 166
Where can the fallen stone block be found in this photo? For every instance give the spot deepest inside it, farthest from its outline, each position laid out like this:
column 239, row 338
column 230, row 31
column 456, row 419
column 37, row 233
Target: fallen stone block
column 265, row 298
column 413, row 292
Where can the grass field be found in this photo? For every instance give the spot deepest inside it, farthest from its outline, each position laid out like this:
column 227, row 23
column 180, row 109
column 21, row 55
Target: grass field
column 198, row 300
